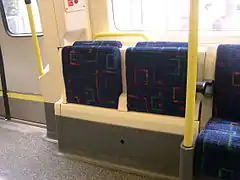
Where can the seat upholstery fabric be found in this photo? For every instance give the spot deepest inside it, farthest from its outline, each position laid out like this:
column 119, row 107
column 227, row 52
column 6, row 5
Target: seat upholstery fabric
column 156, row 80
column 98, row 43
column 92, row 75
column 161, row 44
column 217, row 149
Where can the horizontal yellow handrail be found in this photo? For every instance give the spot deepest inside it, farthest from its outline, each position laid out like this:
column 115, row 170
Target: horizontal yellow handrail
column 191, row 73
column 115, row 34
column 34, row 37
column 26, row 97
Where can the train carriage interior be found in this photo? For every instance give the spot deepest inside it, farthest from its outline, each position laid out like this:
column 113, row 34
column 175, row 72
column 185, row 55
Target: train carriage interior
column 120, row 89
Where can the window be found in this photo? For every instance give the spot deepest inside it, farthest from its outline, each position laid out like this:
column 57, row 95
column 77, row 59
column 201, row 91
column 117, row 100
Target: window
column 15, row 17
column 173, row 15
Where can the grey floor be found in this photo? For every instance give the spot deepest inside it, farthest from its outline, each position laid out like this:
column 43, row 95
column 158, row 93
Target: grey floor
column 25, row 155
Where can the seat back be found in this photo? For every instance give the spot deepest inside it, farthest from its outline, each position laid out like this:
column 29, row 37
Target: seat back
column 227, row 83
column 98, row 43
column 92, row 75
column 161, row 44
column 156, row 80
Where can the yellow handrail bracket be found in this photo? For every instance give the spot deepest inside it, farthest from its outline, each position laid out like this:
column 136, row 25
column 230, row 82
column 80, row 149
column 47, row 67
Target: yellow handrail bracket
column 191, row 73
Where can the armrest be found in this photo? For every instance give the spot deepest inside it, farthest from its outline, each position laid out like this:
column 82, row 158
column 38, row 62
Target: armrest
column 202, row 86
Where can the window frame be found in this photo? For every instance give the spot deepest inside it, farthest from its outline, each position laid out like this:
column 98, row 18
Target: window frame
column 114, row 22
column 206, row 37
column 6, row 27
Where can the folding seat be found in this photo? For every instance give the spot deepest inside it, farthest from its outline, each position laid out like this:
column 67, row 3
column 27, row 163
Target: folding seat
column 92, row 73
column 217, row 148
column 156, row 80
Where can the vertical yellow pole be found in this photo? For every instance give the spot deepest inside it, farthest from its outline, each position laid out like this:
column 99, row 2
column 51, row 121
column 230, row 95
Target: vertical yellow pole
column 34, row 37
column 191, row 73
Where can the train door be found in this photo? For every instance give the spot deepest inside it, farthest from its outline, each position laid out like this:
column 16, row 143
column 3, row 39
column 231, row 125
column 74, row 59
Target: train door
column 25, row 100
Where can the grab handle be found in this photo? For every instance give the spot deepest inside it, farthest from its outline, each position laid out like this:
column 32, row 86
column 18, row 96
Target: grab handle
column 34, row 37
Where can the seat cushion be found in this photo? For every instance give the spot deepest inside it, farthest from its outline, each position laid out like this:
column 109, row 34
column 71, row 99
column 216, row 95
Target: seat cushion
column 217, row 150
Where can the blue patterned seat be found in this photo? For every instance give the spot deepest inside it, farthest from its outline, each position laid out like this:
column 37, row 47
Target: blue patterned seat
column 156, row 80
column 92, row 75
column 217, row 149
column 98, row 43
column 161, row 44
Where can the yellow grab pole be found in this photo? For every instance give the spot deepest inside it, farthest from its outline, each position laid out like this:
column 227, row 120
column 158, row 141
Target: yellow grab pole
column 191, row 73
column 34, row 37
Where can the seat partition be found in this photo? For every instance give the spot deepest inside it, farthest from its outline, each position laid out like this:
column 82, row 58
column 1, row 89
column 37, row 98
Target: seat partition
column 92, row 73
column 156, row 79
